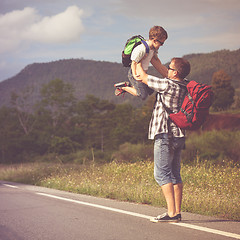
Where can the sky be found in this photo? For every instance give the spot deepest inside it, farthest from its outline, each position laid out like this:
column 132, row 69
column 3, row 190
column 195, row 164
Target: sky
column 36, row 31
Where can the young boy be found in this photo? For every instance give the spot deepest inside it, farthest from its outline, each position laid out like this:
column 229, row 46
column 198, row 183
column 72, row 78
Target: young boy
column 157, row 37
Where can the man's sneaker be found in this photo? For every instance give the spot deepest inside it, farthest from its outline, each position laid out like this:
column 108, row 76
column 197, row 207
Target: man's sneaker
column 122, row 84
column 165, row 218
column 119, row 91
column 179, row 216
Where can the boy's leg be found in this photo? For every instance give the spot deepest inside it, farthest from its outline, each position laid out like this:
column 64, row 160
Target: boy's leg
column 123, row 87
column 130, row 90
column 121, row 90
column 140, row 88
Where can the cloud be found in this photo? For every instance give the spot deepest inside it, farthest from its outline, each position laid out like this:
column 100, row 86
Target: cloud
column 202, row 26
column 26, row 26
column 177, row 14
column 63, row 27
column 226, row 40
column 174, row 8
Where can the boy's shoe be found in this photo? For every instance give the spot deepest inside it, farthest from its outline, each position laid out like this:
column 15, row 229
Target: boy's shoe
column 119, row 91
column 165, row 218
column 122, row 84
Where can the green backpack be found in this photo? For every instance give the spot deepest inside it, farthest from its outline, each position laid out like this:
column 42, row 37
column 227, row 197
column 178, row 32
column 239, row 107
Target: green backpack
column 129, row 46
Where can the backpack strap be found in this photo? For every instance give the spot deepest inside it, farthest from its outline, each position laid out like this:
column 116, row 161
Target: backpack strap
column 181, row 84
column 189, row 115
column 146, row 45
column 159, row 97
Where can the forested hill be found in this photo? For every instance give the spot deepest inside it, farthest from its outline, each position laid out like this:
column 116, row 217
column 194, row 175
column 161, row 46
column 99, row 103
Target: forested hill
column 204, row 65
column 87, row 77
column 98, row 77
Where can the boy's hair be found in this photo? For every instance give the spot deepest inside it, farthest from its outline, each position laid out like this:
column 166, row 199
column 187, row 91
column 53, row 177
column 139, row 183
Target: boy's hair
column 182, row 66
column 157, row 32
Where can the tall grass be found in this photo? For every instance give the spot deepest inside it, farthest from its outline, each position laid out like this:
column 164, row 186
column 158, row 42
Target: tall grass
column 212, row 189
column 214, row 146
column 208, row 189
column 210, row 171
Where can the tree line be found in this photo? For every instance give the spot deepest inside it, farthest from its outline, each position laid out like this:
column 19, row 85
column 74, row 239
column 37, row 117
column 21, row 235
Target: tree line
column 60, row 124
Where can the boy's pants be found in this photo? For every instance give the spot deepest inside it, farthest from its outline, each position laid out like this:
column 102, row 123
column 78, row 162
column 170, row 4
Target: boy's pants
column 142, row 89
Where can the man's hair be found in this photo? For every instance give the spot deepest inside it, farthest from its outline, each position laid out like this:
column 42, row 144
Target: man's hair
column 182, row 66
column 157, row 32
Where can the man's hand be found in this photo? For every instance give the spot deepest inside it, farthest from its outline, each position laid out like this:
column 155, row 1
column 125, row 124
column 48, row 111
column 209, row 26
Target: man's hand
column 141, row 74
column 135, row 68
column 138, row 78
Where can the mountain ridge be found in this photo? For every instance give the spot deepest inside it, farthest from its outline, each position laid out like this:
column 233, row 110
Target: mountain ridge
column 98, row 77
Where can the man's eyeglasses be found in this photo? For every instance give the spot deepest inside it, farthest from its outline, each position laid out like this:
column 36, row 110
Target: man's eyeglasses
column 171, row 69
column 160, row 42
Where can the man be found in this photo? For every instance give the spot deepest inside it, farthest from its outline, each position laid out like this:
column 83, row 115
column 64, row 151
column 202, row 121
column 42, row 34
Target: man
column 169, row 139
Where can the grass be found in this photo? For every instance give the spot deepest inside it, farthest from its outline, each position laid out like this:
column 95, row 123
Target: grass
column 215, row 146
column 208, row 189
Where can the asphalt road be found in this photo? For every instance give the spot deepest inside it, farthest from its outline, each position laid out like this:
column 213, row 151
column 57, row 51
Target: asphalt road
column 36, row 213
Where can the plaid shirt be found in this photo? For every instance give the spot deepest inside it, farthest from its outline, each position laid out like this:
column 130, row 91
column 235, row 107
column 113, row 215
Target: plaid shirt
column 169, row 95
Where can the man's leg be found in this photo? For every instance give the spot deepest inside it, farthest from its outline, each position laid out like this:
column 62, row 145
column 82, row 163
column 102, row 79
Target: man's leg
column 178, row 190
column 169, row 194
column 162, row 170
column 178, row 144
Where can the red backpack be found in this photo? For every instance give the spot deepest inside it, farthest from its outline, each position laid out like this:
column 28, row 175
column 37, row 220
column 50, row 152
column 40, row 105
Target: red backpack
column 195, row 106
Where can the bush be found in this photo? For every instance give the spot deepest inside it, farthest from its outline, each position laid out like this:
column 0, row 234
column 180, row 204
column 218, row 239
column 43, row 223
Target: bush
column 62, row 145
column 133, row 153
column 91, row 155
column 217, row 146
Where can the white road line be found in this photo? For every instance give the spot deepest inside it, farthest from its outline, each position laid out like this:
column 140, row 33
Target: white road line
column 97, row 206
column 210, row 230
column 11, row 186
column 186, row 225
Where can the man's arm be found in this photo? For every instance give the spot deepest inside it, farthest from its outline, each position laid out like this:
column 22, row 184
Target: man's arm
column 136, row 69
column 157, row 84
column 142, row 76
column 159, row 66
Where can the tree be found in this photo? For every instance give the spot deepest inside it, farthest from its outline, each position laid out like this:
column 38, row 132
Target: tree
column 121, row 118
column 10, row 136
column 93, row 121
column 223, row 90
column 58, row 99
column 23, row 106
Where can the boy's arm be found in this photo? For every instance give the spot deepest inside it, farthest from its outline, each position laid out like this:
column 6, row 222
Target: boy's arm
column 159, row 66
